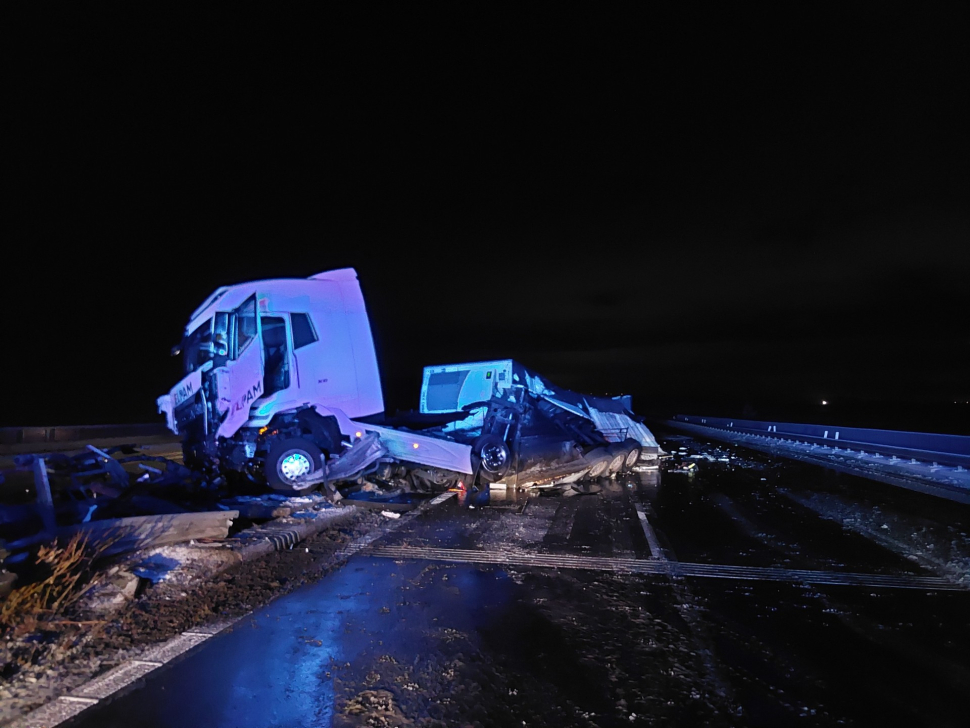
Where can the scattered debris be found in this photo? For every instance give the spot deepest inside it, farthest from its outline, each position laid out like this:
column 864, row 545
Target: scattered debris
column 116, row 589
column 272, row 505
column 687, row 458
column 155, row 567
column 121, row 535
column 371, row 708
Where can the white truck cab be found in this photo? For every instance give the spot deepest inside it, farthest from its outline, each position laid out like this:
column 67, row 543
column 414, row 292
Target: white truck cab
column 277, row 374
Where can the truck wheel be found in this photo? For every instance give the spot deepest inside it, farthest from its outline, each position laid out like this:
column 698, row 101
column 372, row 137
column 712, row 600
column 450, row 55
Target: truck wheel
column 629, row 452
column 494, row 457
column 634, row 455
column 290, row 460
column 598, row 461
column 618, row 455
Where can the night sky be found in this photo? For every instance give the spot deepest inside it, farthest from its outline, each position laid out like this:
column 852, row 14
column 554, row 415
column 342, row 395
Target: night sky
column 718, row 210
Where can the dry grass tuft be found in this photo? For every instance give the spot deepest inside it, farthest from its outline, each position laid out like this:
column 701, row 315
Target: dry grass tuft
column 66, row 576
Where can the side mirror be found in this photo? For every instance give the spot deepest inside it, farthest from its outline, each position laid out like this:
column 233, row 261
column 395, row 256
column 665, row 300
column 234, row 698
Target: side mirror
column 219, row 345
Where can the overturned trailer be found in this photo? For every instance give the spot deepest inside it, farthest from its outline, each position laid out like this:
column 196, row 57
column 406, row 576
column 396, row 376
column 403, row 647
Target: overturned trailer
column 517, row 421
column 282, row 388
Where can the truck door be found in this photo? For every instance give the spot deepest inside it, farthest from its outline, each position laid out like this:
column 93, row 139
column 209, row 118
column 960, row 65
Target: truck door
column 276, row 354
column 243, row 375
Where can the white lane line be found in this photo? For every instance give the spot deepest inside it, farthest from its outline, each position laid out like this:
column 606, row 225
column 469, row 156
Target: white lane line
column 441, row 498
column 667, row 568
column 655, row 551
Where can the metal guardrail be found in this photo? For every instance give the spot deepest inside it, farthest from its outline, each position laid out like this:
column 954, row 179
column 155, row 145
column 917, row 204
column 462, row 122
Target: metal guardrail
column 77, row 433
column 953, row 450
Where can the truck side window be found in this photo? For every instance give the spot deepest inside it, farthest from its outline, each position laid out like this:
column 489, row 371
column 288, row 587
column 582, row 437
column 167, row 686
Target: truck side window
column 245, row 323
column 276, row 371
column 196, row 347
column 303, row 332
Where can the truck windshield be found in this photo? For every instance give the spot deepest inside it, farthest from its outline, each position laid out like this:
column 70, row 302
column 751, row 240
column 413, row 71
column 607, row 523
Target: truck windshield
column 196, row 347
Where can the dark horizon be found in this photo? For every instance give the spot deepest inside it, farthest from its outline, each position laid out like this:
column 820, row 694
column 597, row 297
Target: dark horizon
column 717, row 211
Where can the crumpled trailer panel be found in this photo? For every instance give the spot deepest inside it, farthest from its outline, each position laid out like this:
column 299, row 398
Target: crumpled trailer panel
column 451, row 388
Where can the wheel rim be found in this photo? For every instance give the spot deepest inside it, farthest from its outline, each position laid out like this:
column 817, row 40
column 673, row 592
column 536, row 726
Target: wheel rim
column 616, row 463
column 597, row 469
column 632, row 458
column 294, row 465
column 494, row 457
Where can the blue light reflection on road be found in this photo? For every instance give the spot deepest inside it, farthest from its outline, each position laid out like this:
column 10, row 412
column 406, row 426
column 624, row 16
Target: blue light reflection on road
column 270, row 670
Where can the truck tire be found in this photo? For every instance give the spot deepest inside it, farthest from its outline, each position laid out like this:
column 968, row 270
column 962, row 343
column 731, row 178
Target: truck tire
column 494, row 457
column 618, row 455
column 289, row 459
column 634, row 455
column 629, row 450
column 598, row 461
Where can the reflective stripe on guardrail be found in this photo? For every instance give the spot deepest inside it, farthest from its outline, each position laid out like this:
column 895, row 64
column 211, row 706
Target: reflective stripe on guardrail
column 943, row 449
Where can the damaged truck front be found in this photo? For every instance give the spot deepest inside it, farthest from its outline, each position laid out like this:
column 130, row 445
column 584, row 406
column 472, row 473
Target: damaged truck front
column 281, row 386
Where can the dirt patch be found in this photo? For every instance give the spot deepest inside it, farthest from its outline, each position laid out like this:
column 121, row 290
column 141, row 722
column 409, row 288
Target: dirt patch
column 46, row 664
column 371, row 708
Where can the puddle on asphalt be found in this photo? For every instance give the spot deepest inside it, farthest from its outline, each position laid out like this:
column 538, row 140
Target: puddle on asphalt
column 277, row 666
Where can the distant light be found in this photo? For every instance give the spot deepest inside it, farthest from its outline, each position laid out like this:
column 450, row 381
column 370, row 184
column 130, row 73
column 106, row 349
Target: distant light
column 824, row 401
column 358, row 434
column 415, row 446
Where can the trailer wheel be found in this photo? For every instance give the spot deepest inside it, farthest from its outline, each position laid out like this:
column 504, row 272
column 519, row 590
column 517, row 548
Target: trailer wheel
column 626, row 452
column 634, row 455
column 289, row 460
column 598, row 461
column 618, row 455
column 494, row 457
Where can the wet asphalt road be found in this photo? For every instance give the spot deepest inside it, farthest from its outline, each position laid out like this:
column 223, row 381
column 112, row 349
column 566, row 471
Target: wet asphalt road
column 447, row 640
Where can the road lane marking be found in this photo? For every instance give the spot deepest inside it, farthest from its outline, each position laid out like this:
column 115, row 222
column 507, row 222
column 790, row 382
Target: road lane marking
column 667, row 568
column 655, row 551
column 441, row 498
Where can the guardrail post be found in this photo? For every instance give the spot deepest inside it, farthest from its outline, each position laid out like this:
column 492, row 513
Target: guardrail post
column 45, row 503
